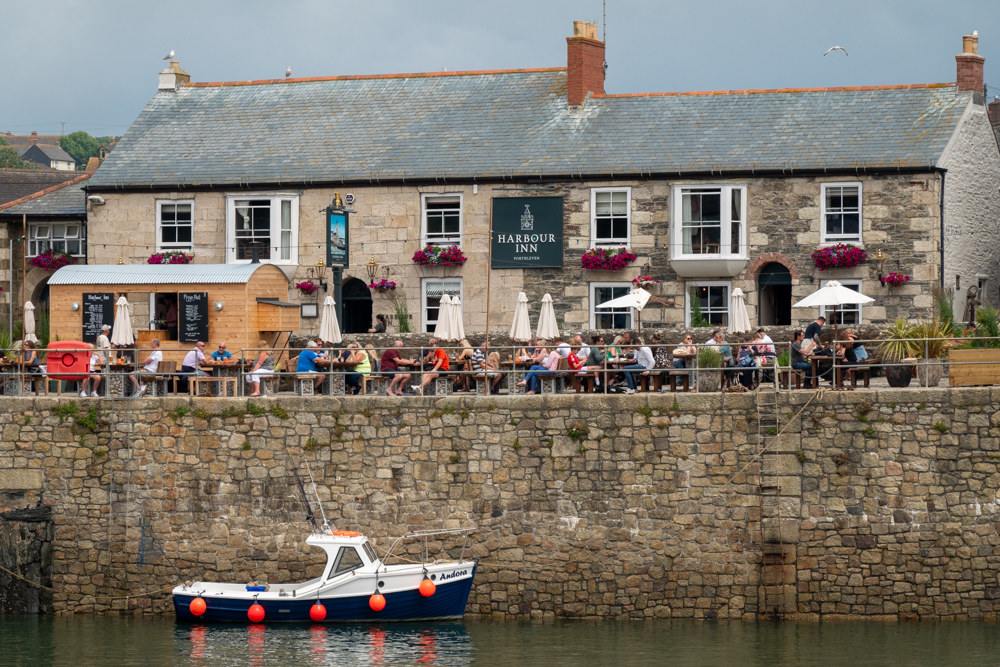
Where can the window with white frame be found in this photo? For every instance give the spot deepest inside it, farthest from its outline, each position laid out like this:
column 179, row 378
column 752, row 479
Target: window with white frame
column 840, row 213
column 442, row 219
column 269, row 223
column 610, row 216
column 65, row 237
column 175, row 225
column 846, row 313
column 430, row 295
column 609, row 318
column 710, row 221
column 710, row 300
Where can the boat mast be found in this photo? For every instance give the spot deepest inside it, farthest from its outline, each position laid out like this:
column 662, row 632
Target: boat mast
column 318, row 501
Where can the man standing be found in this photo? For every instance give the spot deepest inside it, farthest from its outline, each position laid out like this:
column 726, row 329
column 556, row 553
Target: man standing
column 149, row 367
column 104, row 343
column 307, row 364
column 389, row 365
column 800, row 357
column 815, row 330
column 439, row 358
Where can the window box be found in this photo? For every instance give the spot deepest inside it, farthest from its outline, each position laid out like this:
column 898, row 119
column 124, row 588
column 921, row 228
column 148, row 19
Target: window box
column 175, row 225
column 431, row 291
column 382, row 286
column 849, row 314
column 609, row 318
column 441, row 220
column 895, row 279
column 840, row 213
column 712, row 299
column 607, row 259
column 172, row 257
column 307, row 287
column 51, row 260
column 434, row 255
column 269, row 221
column 840, row 256
column 709, row 232
column 610, row 217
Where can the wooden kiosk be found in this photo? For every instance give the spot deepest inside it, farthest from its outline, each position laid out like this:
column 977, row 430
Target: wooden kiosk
column 237, row 303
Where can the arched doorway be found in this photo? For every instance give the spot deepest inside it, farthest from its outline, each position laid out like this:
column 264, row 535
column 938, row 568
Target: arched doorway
column 357, row 306
column 774, row 289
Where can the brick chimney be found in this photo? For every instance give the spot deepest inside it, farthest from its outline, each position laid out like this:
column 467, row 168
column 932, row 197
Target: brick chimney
column 33, row 139
column 172, row 77
column 970, row 64
column 585, row 61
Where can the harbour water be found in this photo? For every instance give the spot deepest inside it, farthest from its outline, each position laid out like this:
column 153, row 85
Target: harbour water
column 84, row 641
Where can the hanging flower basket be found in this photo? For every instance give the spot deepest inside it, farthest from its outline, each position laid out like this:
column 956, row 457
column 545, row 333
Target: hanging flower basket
column 382, row 286
column 172, row 257
column 895, row 279
column 840, row 256
column 435, row 255
column 51, row 260
column 607, row 259
column 307, row 287
column 645, row 282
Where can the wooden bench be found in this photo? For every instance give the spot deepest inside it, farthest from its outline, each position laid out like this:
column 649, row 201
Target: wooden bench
column 686, row 379
column 165, row 374
column 224, row 384
column 374, row 384
column 443, row 384
column 654, row 379
column 586, row 381
column 864, row 372
column 785, row 376
column 305, row 384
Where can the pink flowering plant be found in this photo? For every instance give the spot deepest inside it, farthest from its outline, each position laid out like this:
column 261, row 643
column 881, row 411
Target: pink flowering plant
column 645, row 282
column 51, row 260
column 895, row 279
column 307, row 287
column 382, row 286
column 840, row 256
column 607, row 259
column 435, row 255
column 171, row 257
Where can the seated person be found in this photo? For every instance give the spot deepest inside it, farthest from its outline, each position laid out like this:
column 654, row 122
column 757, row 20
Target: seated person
column 644, row 362
column 527, row 353
column 262, row 365
column 94, row 379
column 307, row 363
column 546, row 363
column 688, row 351
column 362, row 367
column 440, row 361
column 747, row 358
column 493, row 372
column 801, row 356
column 391, row 360
column 221, row 354
column 29, row 357
column 379, row 325
column 463, row 362
column 149, row 367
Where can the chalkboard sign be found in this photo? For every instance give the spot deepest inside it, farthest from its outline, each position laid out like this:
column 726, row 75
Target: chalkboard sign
column 98, row 310
column 192, row 317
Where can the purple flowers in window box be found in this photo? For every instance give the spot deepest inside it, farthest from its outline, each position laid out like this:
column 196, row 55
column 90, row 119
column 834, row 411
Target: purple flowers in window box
column 435, row 255
column 840, row 256
column 382, row 286
column 51, row 260
column 607, row 259
column 171, row 257
column 645, row 282
column 895, row 279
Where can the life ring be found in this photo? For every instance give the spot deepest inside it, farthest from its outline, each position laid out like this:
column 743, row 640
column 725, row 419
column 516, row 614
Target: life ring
column 68, row 360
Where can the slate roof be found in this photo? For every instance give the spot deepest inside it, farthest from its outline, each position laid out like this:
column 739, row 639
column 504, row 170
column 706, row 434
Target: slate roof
column 153, row 274
column 25, row 139
column 51, row 152
column 19, row 183
column 64, row 200
column 514, row 123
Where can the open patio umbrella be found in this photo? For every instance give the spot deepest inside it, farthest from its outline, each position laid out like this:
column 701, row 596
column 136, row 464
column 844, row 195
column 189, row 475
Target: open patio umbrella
column 739, row 321
column 520, row 328
column 831, row 295
column 442, row 330
column 548, row 328
column 29, row 323
column 637, row 300
column 455, row 326
column 121, row 332
column 329, row 329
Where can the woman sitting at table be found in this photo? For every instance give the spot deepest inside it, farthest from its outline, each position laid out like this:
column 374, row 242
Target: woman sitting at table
column 747, row 358
column 261, row 366
column 545, row 363
column 373, row 357
column 29, row 357
column 528, row 353
column 362, row 367
column 463, row 362
column 493, row 372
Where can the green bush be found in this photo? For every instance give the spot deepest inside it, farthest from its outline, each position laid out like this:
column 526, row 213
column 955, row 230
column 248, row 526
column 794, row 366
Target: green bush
column 709, row 358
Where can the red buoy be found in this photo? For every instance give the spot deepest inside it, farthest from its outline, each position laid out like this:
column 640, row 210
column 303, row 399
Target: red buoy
column 427, row 588
column 197, row 607
column 255, row 613
column 317, row 612
column 376, row 602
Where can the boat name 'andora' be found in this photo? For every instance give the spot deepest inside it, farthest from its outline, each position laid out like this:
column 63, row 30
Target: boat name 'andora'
column 445, row 577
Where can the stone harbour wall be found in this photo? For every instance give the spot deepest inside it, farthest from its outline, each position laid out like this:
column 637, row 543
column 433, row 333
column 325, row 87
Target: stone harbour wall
column 806, row 505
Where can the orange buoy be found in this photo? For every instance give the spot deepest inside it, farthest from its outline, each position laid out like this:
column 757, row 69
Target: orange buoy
column 376, row 602
column 427, row 588
column 197, row 607
column 317, row 612
column 255, row 613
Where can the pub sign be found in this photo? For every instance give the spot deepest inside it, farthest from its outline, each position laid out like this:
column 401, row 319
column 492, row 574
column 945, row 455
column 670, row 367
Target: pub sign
column 337, row 241
column 527, row 232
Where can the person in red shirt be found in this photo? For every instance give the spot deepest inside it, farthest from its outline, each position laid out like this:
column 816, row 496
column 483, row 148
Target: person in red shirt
column 575, row 363
column 389, row 365
column 439, row 358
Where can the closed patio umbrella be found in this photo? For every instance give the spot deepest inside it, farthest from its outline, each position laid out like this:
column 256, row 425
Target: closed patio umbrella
column 739, row 321
column 456, row 327
column 121, row 333
column 29, row 322
column 547, row 326
column 520, row 328
column 831, row 295
column 329, row 329
column 443, row 328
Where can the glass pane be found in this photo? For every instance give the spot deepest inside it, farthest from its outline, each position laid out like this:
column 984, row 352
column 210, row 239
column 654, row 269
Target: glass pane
column 73, row 247
column 849, row 198
column 711, row 207
column 286, row 230
column 451, row 223
column 620, row 228
column 168, row 234
column 734, row 240
column 167, row 214
column 619, row 203
column 852, row 223
column 183, row 234
column 43, row 232
column 72, row 231
column 833, row 224
column 736, row 212
column 182, row 212
column 603, row 200
column 603, row 228
column 717, row 297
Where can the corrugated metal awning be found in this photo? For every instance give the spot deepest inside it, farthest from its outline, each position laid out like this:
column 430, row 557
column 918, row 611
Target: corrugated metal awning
column 152, row 274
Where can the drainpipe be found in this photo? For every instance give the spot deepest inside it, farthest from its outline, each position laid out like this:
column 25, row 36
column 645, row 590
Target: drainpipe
column 942, row 172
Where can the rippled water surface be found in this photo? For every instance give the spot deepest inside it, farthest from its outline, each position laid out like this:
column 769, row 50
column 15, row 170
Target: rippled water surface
column 104, row 641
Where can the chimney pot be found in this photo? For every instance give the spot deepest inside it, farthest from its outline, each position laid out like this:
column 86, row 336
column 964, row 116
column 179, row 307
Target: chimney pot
column 969, row 65
column 172, row 77
column 993, row 112
column 585, row 63
column 970, row 43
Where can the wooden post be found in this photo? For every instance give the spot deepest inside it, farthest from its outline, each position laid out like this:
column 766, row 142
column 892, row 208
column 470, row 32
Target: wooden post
column 489, row 270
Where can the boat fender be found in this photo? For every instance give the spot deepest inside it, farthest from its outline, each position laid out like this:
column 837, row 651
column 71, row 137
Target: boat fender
column 255, row 613
column 198, row 606
column 376, row 602
column 427, row 588
column 317, row 612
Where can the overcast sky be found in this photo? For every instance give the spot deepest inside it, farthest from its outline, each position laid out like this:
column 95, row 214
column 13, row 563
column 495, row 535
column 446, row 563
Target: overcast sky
column 93, row 63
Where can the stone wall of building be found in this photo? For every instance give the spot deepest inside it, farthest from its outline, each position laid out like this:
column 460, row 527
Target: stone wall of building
column 867, row 503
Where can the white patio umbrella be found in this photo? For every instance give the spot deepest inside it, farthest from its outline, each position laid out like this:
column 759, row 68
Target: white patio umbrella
column 29, row 322
column 455, row 325
column 442, row 330
column 739, row 321
column 121, row 332
column 547, row 326
column 637, row 300
column 831, row 295
column 520, row 328
column 329, row 329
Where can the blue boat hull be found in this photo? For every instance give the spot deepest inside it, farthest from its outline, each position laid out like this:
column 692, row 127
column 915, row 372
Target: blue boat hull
column 449, row 601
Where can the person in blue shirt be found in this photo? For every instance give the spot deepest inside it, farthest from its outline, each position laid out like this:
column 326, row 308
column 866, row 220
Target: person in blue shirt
column 222, row 354
column 307, row 363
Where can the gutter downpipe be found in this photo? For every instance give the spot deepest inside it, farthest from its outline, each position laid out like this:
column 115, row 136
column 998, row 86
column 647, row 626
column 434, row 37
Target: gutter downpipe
column 942, row 172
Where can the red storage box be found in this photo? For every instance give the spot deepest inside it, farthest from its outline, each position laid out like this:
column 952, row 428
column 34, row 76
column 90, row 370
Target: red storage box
column 68, row 360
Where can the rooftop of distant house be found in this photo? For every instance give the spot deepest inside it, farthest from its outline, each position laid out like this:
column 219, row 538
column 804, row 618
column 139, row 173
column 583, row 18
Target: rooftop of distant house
column 29, row 139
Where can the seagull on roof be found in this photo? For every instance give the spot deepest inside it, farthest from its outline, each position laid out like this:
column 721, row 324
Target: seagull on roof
column 169, row 55
column 836, row 48
column 288, row 72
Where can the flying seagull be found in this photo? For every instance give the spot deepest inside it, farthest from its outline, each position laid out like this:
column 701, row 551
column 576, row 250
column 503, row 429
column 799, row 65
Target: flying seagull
column 169, row 56
column 836, row 48
column 288, row 72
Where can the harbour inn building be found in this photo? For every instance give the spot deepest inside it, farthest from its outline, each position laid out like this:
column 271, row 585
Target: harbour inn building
column 710, row 191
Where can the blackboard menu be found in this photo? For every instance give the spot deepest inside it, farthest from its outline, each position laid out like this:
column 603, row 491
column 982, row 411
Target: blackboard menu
column 192, row 320
column 98, row 310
